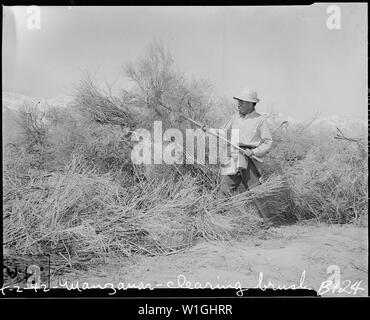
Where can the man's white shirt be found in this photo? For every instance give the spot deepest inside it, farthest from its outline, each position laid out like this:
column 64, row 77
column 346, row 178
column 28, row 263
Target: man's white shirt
column 254, row 132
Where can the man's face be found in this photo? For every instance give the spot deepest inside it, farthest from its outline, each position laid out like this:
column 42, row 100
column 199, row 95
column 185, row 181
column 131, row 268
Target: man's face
column 245, row 107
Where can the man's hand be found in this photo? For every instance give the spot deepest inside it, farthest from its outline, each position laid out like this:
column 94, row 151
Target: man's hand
column 248, row 152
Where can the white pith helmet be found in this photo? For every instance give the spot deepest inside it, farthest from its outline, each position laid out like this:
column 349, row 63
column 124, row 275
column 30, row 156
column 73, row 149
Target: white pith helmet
column 248, row 95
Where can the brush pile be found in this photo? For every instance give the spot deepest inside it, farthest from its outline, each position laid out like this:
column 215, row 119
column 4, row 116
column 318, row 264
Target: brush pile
column 79, row 214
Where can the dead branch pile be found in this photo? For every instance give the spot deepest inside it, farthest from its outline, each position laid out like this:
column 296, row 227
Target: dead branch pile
column 77, row 214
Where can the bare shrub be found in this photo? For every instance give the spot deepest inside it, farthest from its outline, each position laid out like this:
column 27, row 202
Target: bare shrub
column 158, row 84
column 99, row 106
column 328, row 177
column 31, row 122
column 65, row 134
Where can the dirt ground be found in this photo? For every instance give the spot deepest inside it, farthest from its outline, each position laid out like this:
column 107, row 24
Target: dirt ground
column 284, row 256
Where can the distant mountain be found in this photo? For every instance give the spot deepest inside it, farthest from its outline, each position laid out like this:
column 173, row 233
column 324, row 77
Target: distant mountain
column 59, row 101
column 342, row 123
column 350, row 124
column 275, row 119
column 14, row 100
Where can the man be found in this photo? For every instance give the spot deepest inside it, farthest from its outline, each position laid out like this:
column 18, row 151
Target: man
column 255, row 138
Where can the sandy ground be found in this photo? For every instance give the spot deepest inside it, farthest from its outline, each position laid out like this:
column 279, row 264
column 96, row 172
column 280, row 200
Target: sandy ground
column 284, row 256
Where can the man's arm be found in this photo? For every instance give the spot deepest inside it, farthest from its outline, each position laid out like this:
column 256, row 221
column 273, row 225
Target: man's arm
column 266, row 139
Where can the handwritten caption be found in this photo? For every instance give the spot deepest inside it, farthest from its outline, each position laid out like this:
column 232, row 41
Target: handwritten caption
column 333, row 284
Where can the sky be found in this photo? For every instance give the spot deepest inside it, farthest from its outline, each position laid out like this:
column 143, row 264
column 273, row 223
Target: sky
column 287, row 54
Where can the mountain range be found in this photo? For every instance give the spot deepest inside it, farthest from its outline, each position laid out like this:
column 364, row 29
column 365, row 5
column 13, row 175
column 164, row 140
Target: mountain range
column 11, row 102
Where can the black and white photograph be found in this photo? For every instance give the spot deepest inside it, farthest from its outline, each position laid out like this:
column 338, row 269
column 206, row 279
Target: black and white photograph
column 153, row 150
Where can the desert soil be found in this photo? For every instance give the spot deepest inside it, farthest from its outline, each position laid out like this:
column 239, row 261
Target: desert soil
column 282, row 254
